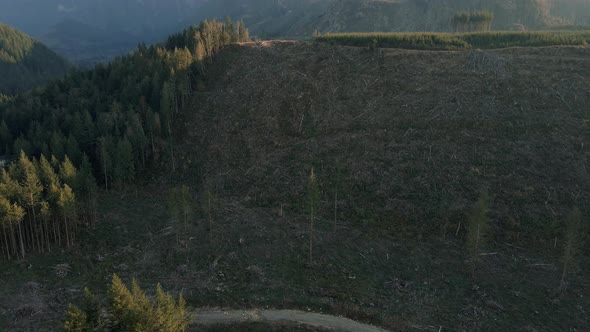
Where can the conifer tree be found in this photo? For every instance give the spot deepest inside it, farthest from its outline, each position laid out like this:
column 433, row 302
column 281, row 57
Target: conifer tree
column 337, row 184
column 243, row 33
column 76, row 320
column 181, row 209
column 68, row 172
column 86, row 186
column 574, row 236
column 477, row 230
column 313, row 196
column 32, row 190
column 129, row 310
column 67, row 203
column 11, row 214
column 120, row 305
column 125, row 165
column 5, row 138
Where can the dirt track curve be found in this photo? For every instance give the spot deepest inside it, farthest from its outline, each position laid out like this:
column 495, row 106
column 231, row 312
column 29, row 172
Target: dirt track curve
column 277, row 316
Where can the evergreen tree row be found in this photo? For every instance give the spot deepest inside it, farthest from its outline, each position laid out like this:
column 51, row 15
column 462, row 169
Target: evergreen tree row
column 43, row 202
column 128, row 310
column 120, row 114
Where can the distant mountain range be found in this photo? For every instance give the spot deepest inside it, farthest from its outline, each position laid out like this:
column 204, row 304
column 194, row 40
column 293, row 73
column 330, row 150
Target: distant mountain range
column 84, row 44
column 25, row 62
column 86, row 31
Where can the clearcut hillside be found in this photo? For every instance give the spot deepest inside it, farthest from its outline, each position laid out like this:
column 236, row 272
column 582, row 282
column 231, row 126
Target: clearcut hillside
column 407, row 139
column 415, row 136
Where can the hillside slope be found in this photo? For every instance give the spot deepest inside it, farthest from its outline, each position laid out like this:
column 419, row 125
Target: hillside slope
column 24, row 62
column 408, row 139
column 416, row 135
column 300, row 19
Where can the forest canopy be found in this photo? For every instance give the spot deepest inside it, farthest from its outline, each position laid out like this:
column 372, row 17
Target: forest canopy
column 107, row 124
column 24, row 62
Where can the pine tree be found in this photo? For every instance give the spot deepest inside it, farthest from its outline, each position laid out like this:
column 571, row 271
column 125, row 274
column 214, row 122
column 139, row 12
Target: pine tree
column 313, row 196
column 574, row 236
column 57, row 145
column 105, row 156
column 337, row 184
column 47, row 173
column 125, row 166
column 11, row 214
column 76, row 320
column 170, row 316
column 32, row 190
column 243, row 34
column 120, row 305
column 67, row 203
column 477, row 230
column 73, row 150
column 5, row 138
column 181, row 210
column 68, row 172
column 86, row 185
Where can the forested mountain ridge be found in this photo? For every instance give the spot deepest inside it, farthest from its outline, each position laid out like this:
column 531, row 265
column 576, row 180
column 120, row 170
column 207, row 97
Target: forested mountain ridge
column 300, row 19
column 25, row 62
column 126, row 23
column 112, row 121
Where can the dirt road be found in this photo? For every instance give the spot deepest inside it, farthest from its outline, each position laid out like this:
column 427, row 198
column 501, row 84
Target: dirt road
column 274, row 316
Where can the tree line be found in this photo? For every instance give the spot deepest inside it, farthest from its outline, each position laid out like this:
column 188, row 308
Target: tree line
column 121, row 115
column 43, row 202
column 24, row 62
column 128, row 310
column 473, row 21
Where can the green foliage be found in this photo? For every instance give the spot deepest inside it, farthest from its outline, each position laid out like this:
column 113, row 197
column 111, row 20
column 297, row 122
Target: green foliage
column 129, row 310
column 25, row 62
column 447, row 41
column 76, row 320
column 120, row 115
column 39, row 204
column 473, row 21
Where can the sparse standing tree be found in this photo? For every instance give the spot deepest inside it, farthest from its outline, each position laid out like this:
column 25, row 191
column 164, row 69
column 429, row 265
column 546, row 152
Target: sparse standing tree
column 181, row 209
column 210, row 214
column 574, row 236
column 313, row 196
column 476, row 230
column 337, row 183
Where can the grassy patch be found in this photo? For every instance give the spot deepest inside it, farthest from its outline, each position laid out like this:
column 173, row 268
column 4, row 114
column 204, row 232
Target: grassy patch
column 451, row 41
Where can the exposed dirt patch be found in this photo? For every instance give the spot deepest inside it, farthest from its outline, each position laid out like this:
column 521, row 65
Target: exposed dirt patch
column 281, row 316
column 417, row 134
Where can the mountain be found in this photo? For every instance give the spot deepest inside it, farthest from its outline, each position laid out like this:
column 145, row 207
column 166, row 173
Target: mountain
column 134, row 16
column 268, row 18
column 86, row 45
column 88, row 31
column 25, row 62
column 128, row 22
column 302, row 18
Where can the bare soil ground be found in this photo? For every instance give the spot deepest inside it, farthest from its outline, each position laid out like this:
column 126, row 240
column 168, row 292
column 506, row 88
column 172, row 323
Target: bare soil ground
column 416, row 135
column 281, row 316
